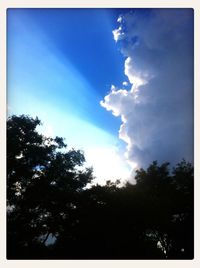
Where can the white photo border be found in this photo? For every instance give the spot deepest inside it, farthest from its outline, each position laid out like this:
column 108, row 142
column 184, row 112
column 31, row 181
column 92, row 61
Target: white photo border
column 4, row 5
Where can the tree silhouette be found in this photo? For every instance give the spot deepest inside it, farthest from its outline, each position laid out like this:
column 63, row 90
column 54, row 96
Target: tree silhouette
column 51, row 214
column 168, row 200
column 43, row 186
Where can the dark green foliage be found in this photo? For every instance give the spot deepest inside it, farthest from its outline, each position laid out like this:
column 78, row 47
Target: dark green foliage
column 48, row 201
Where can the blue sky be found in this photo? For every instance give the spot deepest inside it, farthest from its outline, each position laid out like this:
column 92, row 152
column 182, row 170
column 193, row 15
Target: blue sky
column 117, row 83
column 51, row 51
column 61, row 63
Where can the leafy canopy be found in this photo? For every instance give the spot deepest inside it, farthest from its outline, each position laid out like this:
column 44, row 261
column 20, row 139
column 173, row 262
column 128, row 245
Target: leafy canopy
column 52, row 214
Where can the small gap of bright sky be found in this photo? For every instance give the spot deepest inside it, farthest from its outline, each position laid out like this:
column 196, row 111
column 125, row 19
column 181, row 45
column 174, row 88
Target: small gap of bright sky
column 60, row 65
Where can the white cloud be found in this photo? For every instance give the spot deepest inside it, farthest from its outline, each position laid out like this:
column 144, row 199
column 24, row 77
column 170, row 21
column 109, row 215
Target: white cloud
column 125, row 83
column 118, row 34
column 157, row 111
column 107, row 164
column 120, row 19
column 137, row 78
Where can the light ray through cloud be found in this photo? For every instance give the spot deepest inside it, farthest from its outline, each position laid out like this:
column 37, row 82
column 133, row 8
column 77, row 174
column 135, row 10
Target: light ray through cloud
column 43, row 83
column 41, row 72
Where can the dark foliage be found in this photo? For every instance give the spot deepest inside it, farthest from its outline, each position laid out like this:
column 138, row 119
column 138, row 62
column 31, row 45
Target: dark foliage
column 51, row 214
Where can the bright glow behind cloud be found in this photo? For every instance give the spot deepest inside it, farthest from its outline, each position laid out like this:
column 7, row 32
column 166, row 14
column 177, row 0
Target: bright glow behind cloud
column 107, row 164
column 99, row 147
column 157, row 111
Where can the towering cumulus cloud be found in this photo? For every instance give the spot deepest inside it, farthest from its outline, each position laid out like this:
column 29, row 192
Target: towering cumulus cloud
column 157, row 110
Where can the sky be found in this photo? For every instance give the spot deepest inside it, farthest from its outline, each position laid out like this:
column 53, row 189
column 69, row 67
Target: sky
column 116, row 83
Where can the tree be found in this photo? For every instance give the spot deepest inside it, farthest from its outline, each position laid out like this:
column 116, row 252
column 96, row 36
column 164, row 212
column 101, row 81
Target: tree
column 48, row 201
column 43, row 184
column 168, row 205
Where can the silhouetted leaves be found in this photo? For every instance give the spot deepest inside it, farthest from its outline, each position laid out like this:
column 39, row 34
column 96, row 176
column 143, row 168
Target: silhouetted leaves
column 52, row 214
